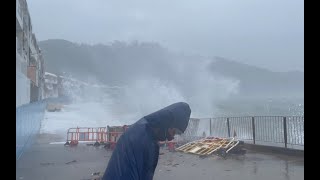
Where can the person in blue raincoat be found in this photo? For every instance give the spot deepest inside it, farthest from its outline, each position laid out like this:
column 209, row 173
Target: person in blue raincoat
column 135, row 156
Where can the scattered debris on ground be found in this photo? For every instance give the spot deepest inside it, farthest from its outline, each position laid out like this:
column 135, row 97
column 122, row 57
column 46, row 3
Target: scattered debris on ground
column 71, row 162
column 46, row 164
column 207, row 146
column 53, row 107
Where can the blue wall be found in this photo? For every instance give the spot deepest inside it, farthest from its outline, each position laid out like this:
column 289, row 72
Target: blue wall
column 28, row 120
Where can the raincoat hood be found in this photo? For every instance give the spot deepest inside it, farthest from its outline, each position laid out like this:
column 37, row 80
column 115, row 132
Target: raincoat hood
column 176, row 115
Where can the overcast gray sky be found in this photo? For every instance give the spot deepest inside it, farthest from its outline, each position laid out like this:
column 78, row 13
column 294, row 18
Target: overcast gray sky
column 265, row 33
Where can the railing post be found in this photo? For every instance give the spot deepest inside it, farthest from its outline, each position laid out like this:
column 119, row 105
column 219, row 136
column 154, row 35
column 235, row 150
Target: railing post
column 228, row 124
column 210, row 127
column 285, row 131
column 253, row 131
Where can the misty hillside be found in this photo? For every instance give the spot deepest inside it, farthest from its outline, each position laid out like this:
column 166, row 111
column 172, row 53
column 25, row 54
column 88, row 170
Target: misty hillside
column 256, row 81
column 120, row 63
column 115, row 64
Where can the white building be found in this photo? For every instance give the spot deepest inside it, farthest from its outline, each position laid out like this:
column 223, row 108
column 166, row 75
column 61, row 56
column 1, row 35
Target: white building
column 29, row 60
column 50, row 85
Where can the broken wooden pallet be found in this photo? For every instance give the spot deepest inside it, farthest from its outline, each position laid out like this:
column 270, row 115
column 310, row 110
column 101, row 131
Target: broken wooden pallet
column 207, row 146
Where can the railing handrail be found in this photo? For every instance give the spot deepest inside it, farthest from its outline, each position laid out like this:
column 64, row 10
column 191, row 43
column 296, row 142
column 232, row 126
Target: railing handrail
column 285, row 129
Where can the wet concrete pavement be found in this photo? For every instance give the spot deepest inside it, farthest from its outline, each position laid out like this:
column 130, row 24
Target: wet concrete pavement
column 253, row 165
column 44, row 161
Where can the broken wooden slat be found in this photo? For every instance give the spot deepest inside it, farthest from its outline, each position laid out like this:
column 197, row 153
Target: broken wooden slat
column 207, row 146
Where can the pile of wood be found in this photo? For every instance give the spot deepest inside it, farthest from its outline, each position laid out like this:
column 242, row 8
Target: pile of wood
column 210, row 145
column 53, row 107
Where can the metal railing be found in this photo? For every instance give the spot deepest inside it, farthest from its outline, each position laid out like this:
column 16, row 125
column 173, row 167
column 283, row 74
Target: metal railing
column 268, row 130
